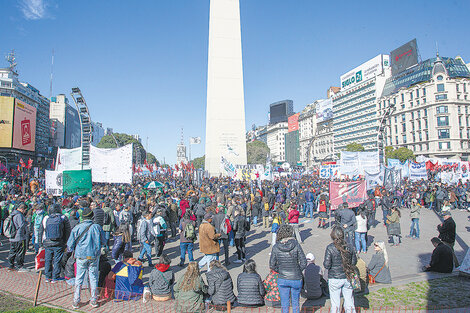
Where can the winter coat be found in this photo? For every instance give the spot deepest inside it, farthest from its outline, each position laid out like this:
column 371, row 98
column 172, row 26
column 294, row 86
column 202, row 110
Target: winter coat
column 47, row 242
column 208, row 243
column 312, row 281
column 98, row 216
column 256, row 208
column 272, row 290
column 220, row 286
column 375, row 264
column 393, row 227
column 161, row 282
column 293, row 217
column 288, row 259
column 333, row 261
column 183, row 223
column 239, row 227
column 415, row 208
column 145, row 231
column 346, row 216
column 90, row 244
column 361, row 224
column 442, row 259
column 191, row 301
column 250, row 289
column 109, row 227
column 447, row 231
column 218, row 219
column 21, row 226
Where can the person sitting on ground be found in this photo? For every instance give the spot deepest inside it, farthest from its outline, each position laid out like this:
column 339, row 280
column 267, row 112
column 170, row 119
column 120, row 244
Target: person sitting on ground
column 378, row 267
column 441, row 259
column 220, row 285
column 161, row 279
column 190, row 290
column 272, row 297
column 250, row 286
column 361, row 267
column 127, row 275
column 312, row 287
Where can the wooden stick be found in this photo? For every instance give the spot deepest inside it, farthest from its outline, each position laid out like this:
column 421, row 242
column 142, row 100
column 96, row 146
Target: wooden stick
column 38, row 284
column 229, row 307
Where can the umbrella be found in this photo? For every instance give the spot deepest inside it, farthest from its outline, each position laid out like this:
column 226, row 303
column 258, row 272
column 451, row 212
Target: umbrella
column 153, row 185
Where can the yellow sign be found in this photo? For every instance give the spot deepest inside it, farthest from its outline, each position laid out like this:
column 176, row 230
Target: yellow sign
column 6, row 121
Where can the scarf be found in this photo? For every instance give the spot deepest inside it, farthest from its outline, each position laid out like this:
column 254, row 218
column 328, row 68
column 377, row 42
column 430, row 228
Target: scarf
column 162, row 267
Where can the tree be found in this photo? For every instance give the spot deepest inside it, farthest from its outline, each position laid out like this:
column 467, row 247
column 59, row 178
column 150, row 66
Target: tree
column 152, row 159
column 138, row 154
column 401, row 154
column 354, row 147
column 256, row 152
column 199, row 162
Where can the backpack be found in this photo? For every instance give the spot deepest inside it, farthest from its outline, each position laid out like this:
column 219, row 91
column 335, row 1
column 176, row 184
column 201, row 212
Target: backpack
column 55, row 227
column 9, row 227
column 223, row 227
column 107, row 219
column 189, row 231
column 266, row 206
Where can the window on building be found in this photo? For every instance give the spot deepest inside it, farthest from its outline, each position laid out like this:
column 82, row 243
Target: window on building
column 441, row 97
column 427, row 135
column 402, row 97
column 417, row 93
column 444, row 145
column 443, row 134
column 396, row 119
column 396, row 140
column 464, row 87
column 419, row 114
column 395, row 100
column 417, row 102
column 420, row 136
column 425, row 112
column 412, row 115
column 403, row 106
column 411, row 95
column 442, row 109
column 458, row 109
column 411, row 104
column 460, row 121
column 413, row 125
column 414, row 138
column 465, row 97
column 440, row 78
column 404, row 138
column 442, row 121
column 458, row 97
column 424, row 100
column 419, row 125
column 466, row 109
column 403, row 126
column 460, row 134
column 424, row 91
column 426, row 124
column 403, row 117
column 440, row 88
column 457, row 87
column 396, row 129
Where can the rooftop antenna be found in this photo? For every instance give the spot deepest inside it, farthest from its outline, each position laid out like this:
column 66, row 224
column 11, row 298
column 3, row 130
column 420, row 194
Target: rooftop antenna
column 11, row 59
column 437, row 49
column 52, row 75
column 182, row 137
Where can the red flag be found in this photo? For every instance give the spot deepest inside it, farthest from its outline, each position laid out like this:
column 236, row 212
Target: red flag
column 30, row 164
column 18, row 168
column 176, row 167
column 133, row 167
column 52, row 164
column 22, row 163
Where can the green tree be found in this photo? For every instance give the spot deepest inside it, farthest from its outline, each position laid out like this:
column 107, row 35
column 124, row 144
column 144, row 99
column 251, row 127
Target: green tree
column 138, row 153
column 354, row 147
column 199, row 162
column 256, row 152
column 152, row 159
column 401, row 154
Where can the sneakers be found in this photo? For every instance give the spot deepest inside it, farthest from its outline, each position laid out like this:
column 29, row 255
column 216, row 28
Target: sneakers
column 75, row 305
column 47, row 280
column 94, row 304
column 238, row 261
column 146, row 296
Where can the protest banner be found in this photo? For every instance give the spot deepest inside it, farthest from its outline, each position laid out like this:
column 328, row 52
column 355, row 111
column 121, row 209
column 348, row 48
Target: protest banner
column 112, row 165
column 353, row 193
column 418, row 171
column 54, row 183
column 77, row 182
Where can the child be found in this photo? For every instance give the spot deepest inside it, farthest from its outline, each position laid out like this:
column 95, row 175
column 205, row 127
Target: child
column 274, row 229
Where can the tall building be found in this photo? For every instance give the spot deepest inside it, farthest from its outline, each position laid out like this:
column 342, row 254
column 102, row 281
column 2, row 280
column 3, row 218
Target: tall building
column 355, row 106
column 65, row 122
column 97, row 133
column 280, row 111
column 427, row 109
column 307, row 128
column 225, row 114
column 276, row 141
column 29, row 113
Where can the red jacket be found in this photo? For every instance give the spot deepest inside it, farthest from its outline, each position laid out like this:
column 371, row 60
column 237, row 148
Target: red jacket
column 293, row 216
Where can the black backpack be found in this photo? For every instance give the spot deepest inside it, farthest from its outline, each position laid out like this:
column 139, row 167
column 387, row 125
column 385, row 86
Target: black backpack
column 107, row 218
column 55, row 227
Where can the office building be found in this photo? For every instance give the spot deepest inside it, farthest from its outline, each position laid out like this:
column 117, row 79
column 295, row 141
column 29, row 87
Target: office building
column 276, row 141
column 97, row 133
column 280, row 111
column 65, row 122
column 307, row 129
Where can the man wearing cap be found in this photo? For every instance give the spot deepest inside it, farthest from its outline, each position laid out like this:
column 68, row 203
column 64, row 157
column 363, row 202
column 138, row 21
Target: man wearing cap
column 312, row 279
column 86, row 241
column 208, row 241
column 447, row 233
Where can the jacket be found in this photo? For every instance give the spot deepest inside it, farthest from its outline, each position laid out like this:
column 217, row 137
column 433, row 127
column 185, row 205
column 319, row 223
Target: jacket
column 361, row 224
column 293, row 217
column 394, row 228
column 90, row 244
column 447, row 231
column 442, row 259
column 333, row 261
column 145, row 231
column 43, row 240
column 218, row 219
column 161, row 282
column 272, row 290
column 415, row 210
column 109, row 227
column 374, row 267
column 191, row 301
column 220, row 286
column 346, row 216
column 21, row 226
column 312, row 281
column 239, row 226
column 250, row 289
column 288, row 259
column 208, row 243
column 98, row 216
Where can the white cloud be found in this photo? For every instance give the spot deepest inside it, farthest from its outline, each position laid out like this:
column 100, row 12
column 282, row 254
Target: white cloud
column 34, row 9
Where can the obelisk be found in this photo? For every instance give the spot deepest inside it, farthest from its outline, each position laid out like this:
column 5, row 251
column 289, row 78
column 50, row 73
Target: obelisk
column 225, row 112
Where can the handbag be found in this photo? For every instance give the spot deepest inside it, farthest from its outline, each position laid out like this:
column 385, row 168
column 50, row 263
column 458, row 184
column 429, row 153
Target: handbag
column 372, row 278
column 355, row 281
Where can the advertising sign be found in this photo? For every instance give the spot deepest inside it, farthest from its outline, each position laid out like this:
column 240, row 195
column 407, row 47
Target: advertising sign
column 365, row 71
column 324, row 110
column 77, row 182
column 404, row 57
column 24, row 126
column 293, row 123
column 54, row 183
column 6, row 121
column 353, row 193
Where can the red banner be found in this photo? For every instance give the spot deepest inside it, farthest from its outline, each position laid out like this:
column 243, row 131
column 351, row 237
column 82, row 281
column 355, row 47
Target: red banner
column 293, row 123
column 353, row 193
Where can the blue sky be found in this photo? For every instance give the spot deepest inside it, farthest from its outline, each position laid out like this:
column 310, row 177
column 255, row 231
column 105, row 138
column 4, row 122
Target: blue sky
column 142, row 65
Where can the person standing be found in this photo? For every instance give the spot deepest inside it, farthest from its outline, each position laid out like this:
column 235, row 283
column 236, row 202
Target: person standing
column 293, row 218
column 187, row 237
column 222, row 227
column 361, row 231
column 208, row 241
column 19, row 234
column 346, row 219
column 310, row 199
column 145, row 238
column 53, row 234
column 447, row 234
column 240, row 228
column 393, row 229
column 288, row 259
column 86, row 241
column 108, row 223
column 414, row 215
column 339, row 261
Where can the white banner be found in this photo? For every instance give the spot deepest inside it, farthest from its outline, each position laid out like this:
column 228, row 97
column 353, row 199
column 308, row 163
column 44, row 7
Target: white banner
column 329, row 171
column 268, row 169
column 69, row 159
column 54, row 183
column 404, row 167
column 227, row 167
column 374, row 179
column 111, row 165
column 418, row 171
column 356, row 163
column 248, row 172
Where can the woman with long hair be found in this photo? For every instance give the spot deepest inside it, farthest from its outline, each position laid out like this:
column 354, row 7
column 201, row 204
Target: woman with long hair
column 250, row 286
column 339, row 260
column 288, row 259
column 393, row 228
column 189, row 291
column 378, row 268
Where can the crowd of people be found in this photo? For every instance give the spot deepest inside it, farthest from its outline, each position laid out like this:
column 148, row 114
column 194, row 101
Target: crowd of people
column 105, row 238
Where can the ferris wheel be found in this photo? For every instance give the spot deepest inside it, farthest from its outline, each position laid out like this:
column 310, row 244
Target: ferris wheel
column 85, row 124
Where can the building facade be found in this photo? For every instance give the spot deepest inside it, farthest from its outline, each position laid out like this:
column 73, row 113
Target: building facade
column 276, row 141
column 280, row 111
column 307, row 129
column 97, row 133
column 429, row 109
column 65, row 122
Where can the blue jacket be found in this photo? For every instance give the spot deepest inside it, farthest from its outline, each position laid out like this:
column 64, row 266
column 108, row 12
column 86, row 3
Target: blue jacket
column 21, row 226
column 90, row 244
column 309, row 196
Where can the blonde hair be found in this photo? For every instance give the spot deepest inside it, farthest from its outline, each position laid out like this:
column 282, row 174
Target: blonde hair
column 381, row 245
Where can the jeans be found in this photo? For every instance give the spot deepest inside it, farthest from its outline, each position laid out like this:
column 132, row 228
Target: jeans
column 414, row 228
column 146, row 249
column 240, row 245
column 17, row 252
column 336, row 286
column 255, row 220
column 289, row 290
column 385, row 213
column 92, row 266
column 224, row 242
column 296, row 232
column 349, row 236
column 309, row 209
column 186, row 246
column 231, row 237
column 361, row 240
column 107, row 235
column 53, row 255
column 208, row 258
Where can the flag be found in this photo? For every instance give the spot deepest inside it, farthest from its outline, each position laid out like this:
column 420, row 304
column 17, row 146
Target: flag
column 18, row 168
column 194, row 140
column 30, row 164
column 22, row 163
column 52, row 164
column 177, row 168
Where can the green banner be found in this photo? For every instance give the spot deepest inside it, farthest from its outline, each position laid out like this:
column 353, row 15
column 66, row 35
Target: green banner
column 77, row 182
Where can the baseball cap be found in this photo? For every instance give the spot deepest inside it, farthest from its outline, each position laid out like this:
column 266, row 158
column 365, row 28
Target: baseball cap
column 310, row 257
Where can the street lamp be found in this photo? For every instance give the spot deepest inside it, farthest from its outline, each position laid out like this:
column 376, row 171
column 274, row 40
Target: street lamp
column 380, row 131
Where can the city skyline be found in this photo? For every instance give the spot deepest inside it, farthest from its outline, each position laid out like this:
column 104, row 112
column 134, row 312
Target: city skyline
column 149, row 80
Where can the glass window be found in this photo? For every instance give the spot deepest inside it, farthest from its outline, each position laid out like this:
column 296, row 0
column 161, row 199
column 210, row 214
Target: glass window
column 440, row 88
column 458, row 109
column 458, row 96
column 444, row 145
column 402, row 97
column 424, row 91
column 411, row 104
column 460, row 121
column 442, row 109
column 427, row 135
column 403, row 117
column 442, row 121
column 457, row 87
column 464, row 87
column 424, row 100
column 414, row 138
column 419, row 114
column 466, row 109
column 439, row 78
column 412, row 115
column 396, row 129
column 417, row 93
column 411, row 95
column 420, row 136
column 403, row 127
column 396, row 119
column 417, row 102
column 404, row 138
column 441, row 97
column 425, row 111
column 419, row 125
column 425, row 123
column 396, row 140
column 443, row 133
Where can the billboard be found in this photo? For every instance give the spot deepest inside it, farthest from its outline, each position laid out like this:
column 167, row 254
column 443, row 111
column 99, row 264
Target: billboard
column 365, row 71
column 293, row 123
column 24, row 126
column 6, row 121
column 404, row 57
column 324, row 110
